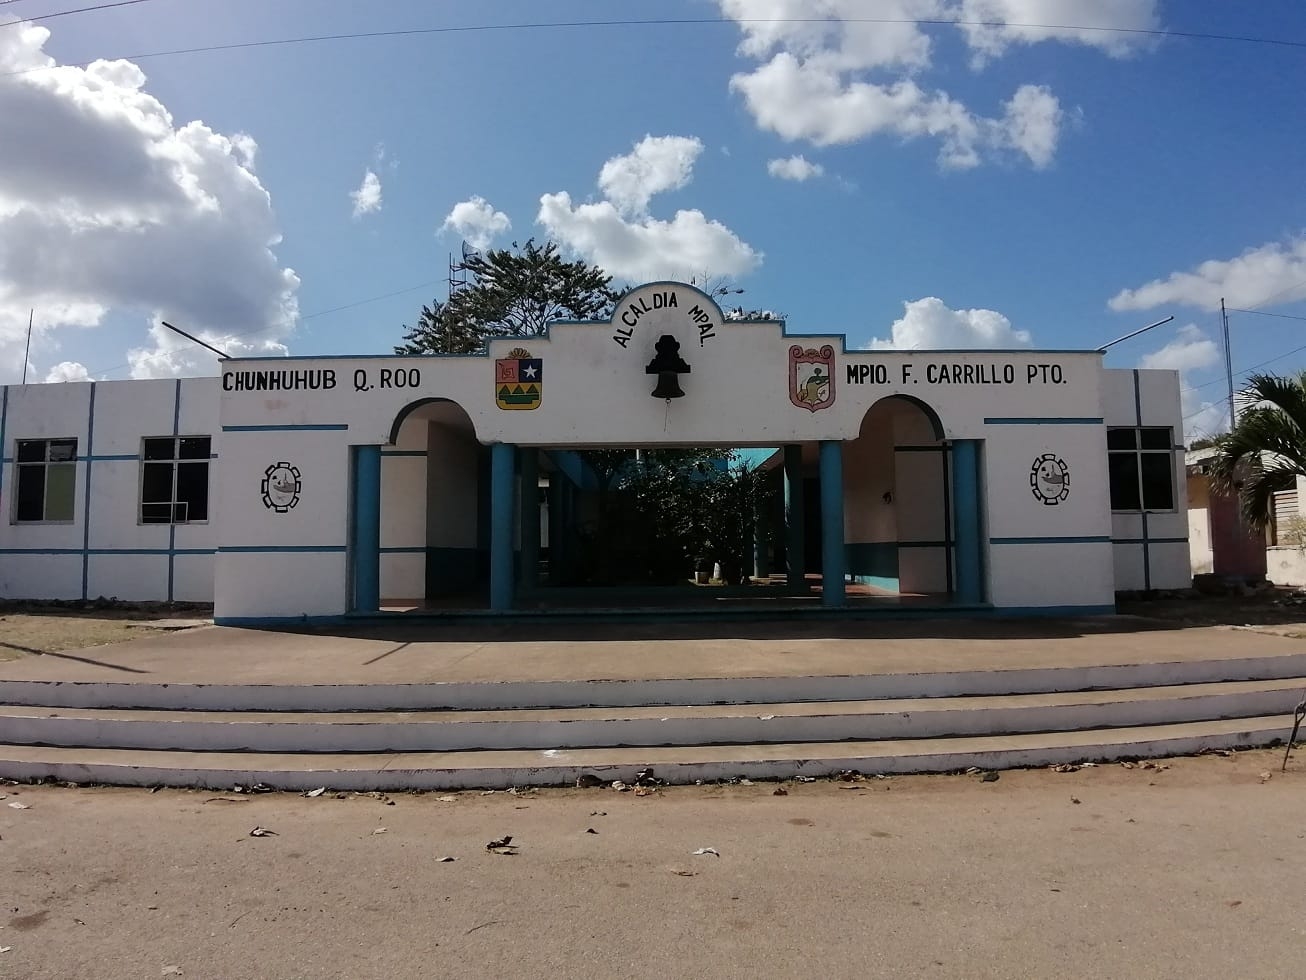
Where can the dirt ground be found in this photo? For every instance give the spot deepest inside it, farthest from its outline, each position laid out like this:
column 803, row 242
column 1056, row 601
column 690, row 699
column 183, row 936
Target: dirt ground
column 33, row 628
column 1191, row 870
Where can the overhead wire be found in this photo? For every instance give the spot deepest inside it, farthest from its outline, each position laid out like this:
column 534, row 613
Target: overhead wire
column 665, row 22
column 65, row 13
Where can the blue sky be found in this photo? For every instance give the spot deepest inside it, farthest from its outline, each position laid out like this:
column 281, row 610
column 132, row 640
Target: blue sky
column 1003, row 185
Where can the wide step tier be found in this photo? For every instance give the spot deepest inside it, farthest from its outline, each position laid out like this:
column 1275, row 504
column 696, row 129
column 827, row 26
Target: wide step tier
column 502, row 769
column 648, row 726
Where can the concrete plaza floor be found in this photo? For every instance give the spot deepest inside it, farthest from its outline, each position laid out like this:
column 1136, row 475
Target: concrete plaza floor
column 1191, row 869
column 414, row 652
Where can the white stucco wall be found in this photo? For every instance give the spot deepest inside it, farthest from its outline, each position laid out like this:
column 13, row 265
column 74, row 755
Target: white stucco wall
column 1152, row 547
column 1021, row 406
column 105, row 551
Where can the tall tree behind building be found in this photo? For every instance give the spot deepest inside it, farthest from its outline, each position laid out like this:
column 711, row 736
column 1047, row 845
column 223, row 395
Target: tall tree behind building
column 511, row 293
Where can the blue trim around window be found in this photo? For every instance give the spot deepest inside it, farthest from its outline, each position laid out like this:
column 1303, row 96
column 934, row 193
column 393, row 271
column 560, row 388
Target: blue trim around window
column 260, row 549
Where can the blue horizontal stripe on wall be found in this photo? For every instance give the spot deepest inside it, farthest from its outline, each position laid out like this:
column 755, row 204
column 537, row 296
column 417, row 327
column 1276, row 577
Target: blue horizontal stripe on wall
column 1149, row 540
column 1070, row 539
column 403, row 452
column 323, row 427
column 419, row 550
column 282, row 549
column 919, row 449
column 1043, row 421
column 923, row 544
column 107, row 551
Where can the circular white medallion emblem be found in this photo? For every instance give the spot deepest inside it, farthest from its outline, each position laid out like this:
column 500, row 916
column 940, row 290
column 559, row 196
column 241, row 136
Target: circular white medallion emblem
column 280, row 487
column 1049, row 479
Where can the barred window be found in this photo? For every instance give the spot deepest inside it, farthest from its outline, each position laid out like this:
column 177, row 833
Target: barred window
column 1141, row 467
column 47, row 481
column 175, row 479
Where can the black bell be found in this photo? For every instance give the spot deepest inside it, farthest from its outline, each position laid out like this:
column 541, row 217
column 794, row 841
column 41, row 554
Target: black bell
column 666, row 364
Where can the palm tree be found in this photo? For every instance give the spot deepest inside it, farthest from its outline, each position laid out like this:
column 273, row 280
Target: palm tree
column 1266, row 451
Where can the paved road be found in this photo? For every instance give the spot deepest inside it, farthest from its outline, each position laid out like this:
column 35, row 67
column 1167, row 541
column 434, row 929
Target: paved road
column 1192, row 871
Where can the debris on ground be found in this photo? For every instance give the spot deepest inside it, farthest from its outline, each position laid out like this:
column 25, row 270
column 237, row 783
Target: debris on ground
column 15, row 805
column 1158, row 766
column 619, row 786
column 1266, row 776
column 446, row 799
column 172, row 971
column 503, row 845
column 5, row 949
column 645, row 777
column 263, row 832
column 598, row 813
column 590, row 830
column 780, row 791
column 313, row 794
column 973, row 770
column 489, row 792
column 804, row 779
column 646, row 791
column 1076, row 800
column 447, row 859
column 255, row 788
column 989, row 777
column 1065, row 767
column 587, row 780
column 850, row 776
column 1127, row 765
column 227, row 799
column 707, row 850
column 683, row 872
column 379, row 830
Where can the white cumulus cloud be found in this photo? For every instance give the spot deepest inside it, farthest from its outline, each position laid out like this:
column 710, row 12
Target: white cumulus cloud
column 621, row 237
column 476, row 221
column 368, row 196
column 1273, row 272
column 647, row 249
column 797, row 168
column 996, row 25
column 929, row 324
column 835, row 72
column 67, row 371
column 108, row 204
column 1189, row 351
column 656, row 164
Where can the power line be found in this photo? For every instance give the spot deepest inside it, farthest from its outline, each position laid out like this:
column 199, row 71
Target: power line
column 1282, row 316
column 664, row 22
column 65, row 13
column 1241, row 372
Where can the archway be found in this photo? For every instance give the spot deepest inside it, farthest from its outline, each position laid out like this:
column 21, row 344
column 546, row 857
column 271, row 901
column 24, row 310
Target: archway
column 897, row 506
column 434, row 520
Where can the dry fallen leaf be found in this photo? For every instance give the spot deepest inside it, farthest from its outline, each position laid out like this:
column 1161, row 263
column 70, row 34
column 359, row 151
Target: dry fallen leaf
column 379, row 830
column 315, row 793
column 446, row 859
column 262, row 832
column 707, row 850
column 683, row 873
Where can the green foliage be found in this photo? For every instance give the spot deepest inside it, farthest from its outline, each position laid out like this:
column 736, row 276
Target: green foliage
column 671, row 511
column 1266, row 451
column 511, row 293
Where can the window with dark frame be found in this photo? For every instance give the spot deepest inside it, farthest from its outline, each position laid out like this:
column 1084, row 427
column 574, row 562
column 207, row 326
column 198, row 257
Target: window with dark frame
column 46, row 481
column 175, row 479
column 1140, row 464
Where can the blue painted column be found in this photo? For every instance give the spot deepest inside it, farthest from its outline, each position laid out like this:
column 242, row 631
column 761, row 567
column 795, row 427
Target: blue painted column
column 832, row 548
column 502, row 480
column 528, row 471
column 795, row 544
column 965, row 520
column 366, row 557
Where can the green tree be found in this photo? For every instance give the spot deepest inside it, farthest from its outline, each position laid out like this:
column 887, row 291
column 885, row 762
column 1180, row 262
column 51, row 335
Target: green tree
column 513, row 292
column 1266, row 451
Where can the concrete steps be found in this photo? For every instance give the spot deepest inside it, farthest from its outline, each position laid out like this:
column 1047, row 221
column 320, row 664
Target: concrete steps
column 499, row 734
column 648, row 726
column 502, row 769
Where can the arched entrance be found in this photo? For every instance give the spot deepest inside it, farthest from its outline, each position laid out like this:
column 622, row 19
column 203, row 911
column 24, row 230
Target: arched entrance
column 420, row 525
column 911, row 505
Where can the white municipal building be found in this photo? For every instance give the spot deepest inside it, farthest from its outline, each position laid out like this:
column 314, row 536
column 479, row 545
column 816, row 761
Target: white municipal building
column 323, row 487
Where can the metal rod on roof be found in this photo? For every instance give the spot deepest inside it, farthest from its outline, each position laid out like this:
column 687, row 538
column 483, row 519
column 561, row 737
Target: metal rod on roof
column 28, row 352
column 195, row 339
column 1127, row 336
